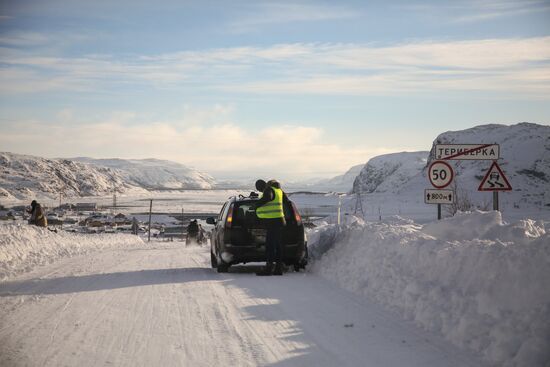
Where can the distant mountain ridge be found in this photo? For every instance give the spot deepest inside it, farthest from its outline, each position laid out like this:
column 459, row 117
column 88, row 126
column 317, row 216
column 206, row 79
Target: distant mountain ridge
column 341, row 183
column 24, row 176
column 155, row 174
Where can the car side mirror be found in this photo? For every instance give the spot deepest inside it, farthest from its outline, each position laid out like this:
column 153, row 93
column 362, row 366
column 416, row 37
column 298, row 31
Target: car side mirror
column 210, row 220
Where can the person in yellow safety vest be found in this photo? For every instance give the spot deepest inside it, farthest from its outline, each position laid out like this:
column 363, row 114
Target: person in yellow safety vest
column 269, row 209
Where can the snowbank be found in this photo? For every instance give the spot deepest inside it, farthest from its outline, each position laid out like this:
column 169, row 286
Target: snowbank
column 480, row 282
column 23, row 247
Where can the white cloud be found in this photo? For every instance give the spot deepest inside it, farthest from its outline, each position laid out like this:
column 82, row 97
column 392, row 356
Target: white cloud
column 24, row 38
column 287, row 152
column 481, row 10
column 471, row 11
column 497, row 65
column 271, row 13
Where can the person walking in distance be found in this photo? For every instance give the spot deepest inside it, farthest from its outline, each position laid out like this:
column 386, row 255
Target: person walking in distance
column 135, row 226
column 269, row 209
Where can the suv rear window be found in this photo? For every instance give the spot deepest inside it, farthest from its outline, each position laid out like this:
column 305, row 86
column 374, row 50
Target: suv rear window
column 244, row 214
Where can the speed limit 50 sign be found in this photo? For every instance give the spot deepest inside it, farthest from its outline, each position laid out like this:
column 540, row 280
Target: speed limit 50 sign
column 440, row 174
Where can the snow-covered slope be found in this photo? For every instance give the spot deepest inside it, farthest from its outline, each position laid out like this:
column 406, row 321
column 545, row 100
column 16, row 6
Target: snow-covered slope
column 155, row 174
column 24, row 176
column 525, row 159
column 341, row 183
column 476, row 280
column 389, row 172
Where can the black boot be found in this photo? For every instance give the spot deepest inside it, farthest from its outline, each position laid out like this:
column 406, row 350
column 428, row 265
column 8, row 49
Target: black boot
column 279, row 268
column 267, row 270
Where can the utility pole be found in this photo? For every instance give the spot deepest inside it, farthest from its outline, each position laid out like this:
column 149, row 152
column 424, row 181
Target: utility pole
column 114, row 196
column 339, row 208
column 359, row 204
column 182, row 226
column 150, row 210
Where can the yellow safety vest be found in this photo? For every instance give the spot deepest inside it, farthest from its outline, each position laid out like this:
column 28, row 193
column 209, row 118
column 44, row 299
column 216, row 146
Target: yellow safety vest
column 274, row 208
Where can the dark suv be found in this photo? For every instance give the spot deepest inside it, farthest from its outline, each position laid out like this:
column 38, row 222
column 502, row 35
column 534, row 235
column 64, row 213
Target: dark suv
column 239, row 236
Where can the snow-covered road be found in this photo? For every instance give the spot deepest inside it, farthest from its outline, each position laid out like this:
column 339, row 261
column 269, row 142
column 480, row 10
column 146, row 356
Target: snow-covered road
column 164, row 306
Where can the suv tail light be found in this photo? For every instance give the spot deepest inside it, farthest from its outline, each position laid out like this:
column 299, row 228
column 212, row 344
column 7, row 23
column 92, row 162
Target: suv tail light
column 229, row 220
column 296, row 214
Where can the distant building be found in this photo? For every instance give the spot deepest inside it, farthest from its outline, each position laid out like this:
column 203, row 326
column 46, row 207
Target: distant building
column 67, row 206
column 6, row 215
column 86, row 206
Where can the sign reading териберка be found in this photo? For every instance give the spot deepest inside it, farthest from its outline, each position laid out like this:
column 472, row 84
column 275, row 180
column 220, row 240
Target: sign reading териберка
column 467, row 151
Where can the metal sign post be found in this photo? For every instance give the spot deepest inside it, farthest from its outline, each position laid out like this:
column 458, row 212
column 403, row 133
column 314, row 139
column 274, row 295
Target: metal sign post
column 150, row 210
column 339, row 208
column 439, row 197
column 182, row 227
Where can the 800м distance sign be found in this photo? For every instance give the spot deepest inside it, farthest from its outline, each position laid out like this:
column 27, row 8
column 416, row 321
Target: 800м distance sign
column 433, row 196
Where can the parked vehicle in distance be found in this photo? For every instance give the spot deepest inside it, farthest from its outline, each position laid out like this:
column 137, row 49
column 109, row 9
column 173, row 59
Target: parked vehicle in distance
column 238, row 235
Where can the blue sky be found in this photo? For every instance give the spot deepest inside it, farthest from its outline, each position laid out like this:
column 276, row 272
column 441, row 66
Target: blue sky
column 291, row 90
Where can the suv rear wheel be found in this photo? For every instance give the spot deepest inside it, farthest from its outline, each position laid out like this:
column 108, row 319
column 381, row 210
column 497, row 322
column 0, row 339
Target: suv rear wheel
column 213, row 260
column 223, row 267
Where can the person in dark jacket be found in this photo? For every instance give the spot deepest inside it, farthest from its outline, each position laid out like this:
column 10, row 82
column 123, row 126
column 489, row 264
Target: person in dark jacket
column 135, row 226
column 270, row 210
column 37, row 215
column 193, row 227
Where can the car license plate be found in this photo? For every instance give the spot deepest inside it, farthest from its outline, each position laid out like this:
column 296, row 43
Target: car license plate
column 258, row 235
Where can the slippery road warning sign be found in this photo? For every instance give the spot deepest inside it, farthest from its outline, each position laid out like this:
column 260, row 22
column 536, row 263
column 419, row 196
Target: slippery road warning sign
column 440, row 174
column 495, row 180
column 467, row 151
column 432, row 196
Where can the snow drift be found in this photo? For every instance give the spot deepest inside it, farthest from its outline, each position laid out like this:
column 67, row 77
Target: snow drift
column 480, row 282
column 24, row 247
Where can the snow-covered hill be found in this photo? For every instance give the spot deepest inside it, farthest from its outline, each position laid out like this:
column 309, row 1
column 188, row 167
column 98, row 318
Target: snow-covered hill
column 24, row 176
column 155, row 173
column 389, row 172
column 525, row 159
